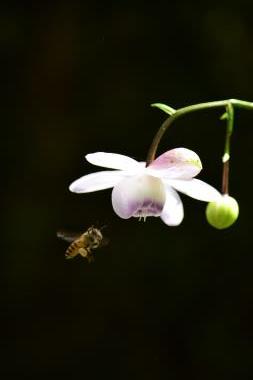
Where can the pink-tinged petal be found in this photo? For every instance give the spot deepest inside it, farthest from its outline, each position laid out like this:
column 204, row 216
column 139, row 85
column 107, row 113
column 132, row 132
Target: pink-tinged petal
column 138, row 196
column 173, row 211
column 112, row 161
column 177, row 163
column 96, row 181
column 196, row 189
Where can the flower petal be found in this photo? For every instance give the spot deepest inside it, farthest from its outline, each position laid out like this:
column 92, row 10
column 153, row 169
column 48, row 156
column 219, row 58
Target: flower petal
column 173, row 211
column 138, row 196
column 96, row 181
column 196, row 189
column 112, row 160
column 177, row 163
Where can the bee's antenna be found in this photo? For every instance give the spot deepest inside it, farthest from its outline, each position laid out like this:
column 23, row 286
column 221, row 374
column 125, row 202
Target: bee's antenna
column 102, row 227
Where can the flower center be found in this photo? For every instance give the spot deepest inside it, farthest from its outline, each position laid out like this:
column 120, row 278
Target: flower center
column 139, row 196
column 149, row 208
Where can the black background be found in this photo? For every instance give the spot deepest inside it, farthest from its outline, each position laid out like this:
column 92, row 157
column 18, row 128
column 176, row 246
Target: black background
column 158, row 302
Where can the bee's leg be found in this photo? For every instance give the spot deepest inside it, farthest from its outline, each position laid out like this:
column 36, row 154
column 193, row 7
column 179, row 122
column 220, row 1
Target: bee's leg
column 89, row 255
column 83, row 252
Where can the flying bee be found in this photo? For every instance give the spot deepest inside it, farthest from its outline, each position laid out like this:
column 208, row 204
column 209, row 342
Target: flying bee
column 83, row 244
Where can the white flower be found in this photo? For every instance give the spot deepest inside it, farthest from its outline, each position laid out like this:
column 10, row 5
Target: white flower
column 142, row 191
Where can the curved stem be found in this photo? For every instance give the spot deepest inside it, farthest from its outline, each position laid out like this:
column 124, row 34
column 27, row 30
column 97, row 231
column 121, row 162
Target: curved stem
column 183, row 111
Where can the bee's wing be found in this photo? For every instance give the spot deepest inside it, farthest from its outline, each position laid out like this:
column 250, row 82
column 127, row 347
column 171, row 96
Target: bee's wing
column 68, row 236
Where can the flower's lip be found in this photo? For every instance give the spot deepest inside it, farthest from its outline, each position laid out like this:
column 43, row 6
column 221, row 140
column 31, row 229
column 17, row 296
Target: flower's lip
column 140, row 195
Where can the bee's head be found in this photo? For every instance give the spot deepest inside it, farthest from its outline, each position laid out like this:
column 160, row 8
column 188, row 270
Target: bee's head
column 95, row 236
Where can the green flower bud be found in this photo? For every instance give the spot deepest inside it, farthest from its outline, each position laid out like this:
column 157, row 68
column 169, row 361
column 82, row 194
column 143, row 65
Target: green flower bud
column 222, row 213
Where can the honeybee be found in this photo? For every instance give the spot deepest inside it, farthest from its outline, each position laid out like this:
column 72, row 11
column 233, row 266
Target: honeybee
column 83, row 244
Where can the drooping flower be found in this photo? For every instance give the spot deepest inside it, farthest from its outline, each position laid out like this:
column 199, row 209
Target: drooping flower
column 141, row 191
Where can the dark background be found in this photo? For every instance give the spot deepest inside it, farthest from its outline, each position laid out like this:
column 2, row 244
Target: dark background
column 158, row 302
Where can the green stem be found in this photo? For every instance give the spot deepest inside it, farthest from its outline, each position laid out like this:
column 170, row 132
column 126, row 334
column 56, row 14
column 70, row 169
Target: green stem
column 185, row 110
